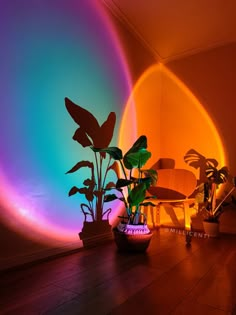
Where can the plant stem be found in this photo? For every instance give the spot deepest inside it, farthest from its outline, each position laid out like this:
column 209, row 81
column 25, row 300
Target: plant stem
column 228, row 194
column 123, row 169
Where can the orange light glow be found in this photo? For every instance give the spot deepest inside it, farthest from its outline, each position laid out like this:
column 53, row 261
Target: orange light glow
column 173, row 120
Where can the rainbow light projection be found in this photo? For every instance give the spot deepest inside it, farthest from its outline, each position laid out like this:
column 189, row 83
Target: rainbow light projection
column 56, row 49
column 50, row 50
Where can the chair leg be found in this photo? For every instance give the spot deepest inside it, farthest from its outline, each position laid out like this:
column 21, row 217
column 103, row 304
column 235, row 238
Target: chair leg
column 187, row 224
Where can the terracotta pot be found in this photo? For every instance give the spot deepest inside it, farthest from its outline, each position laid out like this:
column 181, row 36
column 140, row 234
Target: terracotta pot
column 132, row 242
column 211, row 228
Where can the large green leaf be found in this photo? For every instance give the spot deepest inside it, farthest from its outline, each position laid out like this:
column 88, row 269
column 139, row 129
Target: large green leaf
column 136, row 159
column 137, row 195
column 140, row 143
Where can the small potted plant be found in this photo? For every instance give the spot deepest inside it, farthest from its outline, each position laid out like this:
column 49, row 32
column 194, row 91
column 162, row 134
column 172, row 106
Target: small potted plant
column 132, row 233
column 211, row 209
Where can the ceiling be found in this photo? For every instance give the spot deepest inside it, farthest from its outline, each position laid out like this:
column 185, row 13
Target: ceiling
column 172, row 29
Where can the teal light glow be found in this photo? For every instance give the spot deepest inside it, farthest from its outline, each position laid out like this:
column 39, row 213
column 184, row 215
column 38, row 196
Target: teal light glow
column 53, row 49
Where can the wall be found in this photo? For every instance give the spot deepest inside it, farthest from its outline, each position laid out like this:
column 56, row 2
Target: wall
column 54, row 50
column 210, row 75
column 185, row 104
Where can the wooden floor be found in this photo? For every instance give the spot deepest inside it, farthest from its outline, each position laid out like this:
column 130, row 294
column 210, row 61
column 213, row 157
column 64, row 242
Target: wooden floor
column 169, row 279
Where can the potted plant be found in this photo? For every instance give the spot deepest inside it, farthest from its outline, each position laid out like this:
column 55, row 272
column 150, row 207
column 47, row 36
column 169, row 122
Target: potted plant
column 132, row 233
column 90, row 134
column 211, row 209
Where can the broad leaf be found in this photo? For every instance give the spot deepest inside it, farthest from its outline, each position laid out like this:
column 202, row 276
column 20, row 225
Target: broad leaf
column 136, row 159
column 89, row 127
column 217, row 176
column 137, row 194
column 197, row 160
column 73, row 191
column 106, row 132
column 80, row 165
column 88, row 192
column 140, row 143
column 110, row 185
column 123, row 182
column 87, row 122
column 89, row 182
column 82, row 137
column 110, row 197
column 114, row 152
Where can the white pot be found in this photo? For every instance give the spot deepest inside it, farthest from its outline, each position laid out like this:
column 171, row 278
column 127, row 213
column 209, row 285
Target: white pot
column 211, row 228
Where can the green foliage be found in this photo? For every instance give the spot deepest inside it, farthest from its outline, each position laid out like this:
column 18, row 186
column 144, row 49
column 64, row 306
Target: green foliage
column 133, row 189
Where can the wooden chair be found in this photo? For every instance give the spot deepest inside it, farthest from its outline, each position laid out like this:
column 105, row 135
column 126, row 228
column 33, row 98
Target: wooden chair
column 174, row 186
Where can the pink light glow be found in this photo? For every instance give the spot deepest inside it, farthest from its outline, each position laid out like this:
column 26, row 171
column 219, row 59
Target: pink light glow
column 23, row 214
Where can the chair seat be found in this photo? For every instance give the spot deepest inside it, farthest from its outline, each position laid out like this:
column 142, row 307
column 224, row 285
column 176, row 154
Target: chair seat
column 174, row 184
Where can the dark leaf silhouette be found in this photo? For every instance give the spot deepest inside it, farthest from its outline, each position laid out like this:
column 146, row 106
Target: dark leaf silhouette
column 88, row 192
column 110, row 197
column 90, row 132
column 114, row 152
column 106, row 132
column 121, row 182
column 89, row 182
column 80, row 165
column 196, row 160
column 110, row 185
column 73, row 191
column 81, row 137
column 217, row 176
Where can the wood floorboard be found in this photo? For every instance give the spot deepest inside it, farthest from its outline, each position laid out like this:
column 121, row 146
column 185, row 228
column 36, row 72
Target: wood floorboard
column 170, row 278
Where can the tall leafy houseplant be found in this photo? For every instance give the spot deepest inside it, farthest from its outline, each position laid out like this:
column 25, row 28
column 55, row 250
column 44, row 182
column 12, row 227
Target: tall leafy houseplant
column 91, row 135
column 133, row 182
column 131, row 187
